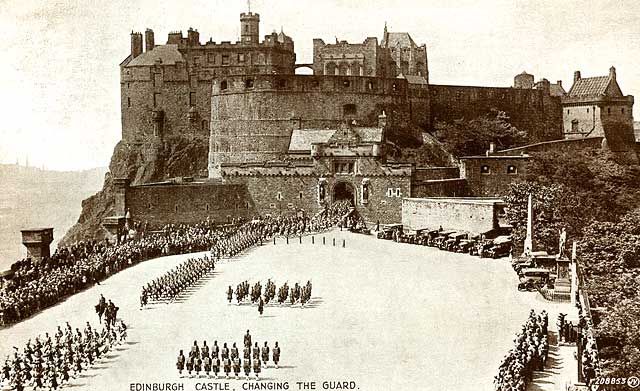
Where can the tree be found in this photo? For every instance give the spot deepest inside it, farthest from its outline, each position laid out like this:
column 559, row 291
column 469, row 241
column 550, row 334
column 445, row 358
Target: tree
column 472, row 137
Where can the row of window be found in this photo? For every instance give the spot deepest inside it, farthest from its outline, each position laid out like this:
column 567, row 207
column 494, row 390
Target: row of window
column 594, row 109
column 282, row 83
column 486, row 170
column 156, row 99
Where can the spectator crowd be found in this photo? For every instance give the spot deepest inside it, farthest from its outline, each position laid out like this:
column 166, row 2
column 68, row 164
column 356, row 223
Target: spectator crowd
column 528, row 355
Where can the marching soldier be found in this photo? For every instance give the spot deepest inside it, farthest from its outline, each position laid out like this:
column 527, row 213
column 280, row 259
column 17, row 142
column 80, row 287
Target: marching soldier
column 234, row 351
column 230, row 294
column 190, row 364
column 225, row 351
column 215, row 361
column 247, row 339
column 265, row 355
column 215, row 350
column 261, row 306
column 226, row 363
column 256, row 367
column 276, row 354
column 256, row 352
column 247, row 366
column 207, row 365
column 236, row 367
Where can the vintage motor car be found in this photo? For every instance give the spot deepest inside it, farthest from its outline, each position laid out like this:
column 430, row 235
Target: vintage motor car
column 533, row 278
column 501, row 247
column 466, row 246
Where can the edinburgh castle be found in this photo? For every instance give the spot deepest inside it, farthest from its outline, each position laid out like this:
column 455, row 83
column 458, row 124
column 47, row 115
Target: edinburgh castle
column 222, row 129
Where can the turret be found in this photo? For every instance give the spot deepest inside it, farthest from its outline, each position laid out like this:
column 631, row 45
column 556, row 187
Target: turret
column 250, row 28
column 149, row 40
column 612, row 73
column 136, row 44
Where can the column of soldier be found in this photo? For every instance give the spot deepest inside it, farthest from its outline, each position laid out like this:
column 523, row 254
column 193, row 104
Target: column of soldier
column 51, row 362
column 529, row 354
column 175, row 281
column 203, row 360
column 297, row 293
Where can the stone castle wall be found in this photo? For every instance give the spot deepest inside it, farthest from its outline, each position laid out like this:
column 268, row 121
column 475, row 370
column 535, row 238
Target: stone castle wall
column 469, row 215
column 160, row 204
column 252, row 117
column 532, row 110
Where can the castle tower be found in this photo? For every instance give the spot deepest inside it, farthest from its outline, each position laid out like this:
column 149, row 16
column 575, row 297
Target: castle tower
column 523, row 81
column 136, row 44
column 250, row 28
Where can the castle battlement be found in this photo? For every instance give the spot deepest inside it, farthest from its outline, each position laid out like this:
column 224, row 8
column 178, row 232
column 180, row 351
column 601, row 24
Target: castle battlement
column 246, row 84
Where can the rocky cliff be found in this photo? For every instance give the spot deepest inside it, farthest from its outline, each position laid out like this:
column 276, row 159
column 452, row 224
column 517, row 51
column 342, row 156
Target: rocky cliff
column 140, row 163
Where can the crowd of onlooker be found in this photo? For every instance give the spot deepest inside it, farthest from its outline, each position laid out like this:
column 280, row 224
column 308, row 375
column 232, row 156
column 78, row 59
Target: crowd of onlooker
column 589, row 358
column 38, row 284
column 529, row 354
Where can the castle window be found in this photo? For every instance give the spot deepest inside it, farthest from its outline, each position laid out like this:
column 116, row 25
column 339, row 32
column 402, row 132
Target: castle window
column 485, row 170
column 349, row 109
column 211, row 58
column 346, row 83
column 279, row 196
column 149, row 205
column 207, row 207
column 128, row 102
column 623, row 110
column 205, row 125
column 282, row 83
column 128, row 85
column 241, row 57
column 609, row 110
column 223, row 85
column 225, row 59
column 512, row 170
column 343, row 167
column 156, row 98
column 192, row 99
column 176, row 208
column 568, row 111
column 574, row 126
column 248, row 83
column 587, row 109
column 300, row 195
column 370, row 85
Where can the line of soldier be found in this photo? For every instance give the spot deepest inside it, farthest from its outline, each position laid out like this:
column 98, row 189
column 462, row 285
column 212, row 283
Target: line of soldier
column 176, row 280
column 297, row 293
column 51, row 362
column 529, row 354
column 203, row 360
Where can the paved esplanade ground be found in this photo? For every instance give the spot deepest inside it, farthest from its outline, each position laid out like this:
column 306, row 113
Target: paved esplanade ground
column 388, row 316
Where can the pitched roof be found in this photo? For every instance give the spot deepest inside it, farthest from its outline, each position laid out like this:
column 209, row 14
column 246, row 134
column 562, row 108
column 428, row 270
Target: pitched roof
column 397, row 39
column 414, row 79
column 301, row 139
column 557, row 90
column 166, row 54
column 590, row 86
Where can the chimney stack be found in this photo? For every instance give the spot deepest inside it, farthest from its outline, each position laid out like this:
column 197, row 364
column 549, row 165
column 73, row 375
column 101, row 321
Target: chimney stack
column 612, row 73
column 136, row 44
column 576, row 76
column 149, row 40
column 559, row 82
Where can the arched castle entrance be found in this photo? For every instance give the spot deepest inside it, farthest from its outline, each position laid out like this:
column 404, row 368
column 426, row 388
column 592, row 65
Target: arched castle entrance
column 344, row 191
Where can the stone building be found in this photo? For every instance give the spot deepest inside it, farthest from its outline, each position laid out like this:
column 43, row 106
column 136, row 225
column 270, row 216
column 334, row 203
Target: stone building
column 396, row 55
column 166, row 89
column 596, row 106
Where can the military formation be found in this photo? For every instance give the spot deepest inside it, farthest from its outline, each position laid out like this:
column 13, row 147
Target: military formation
column 528, row 355
column 49, row 362
column 206, row 361
column 254, row 294
column 175, row 281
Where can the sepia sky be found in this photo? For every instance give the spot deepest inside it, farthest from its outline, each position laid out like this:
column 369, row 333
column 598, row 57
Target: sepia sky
column 59, row 75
